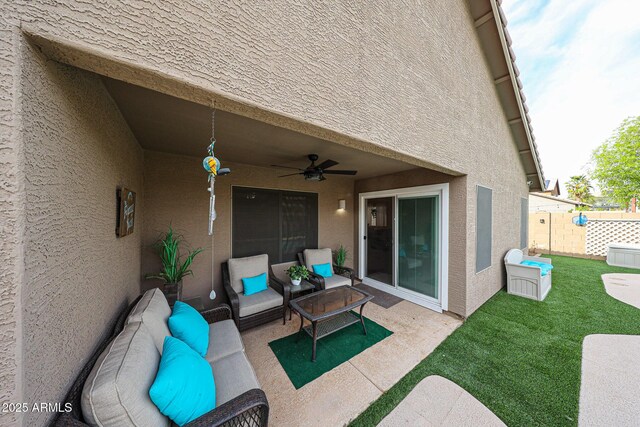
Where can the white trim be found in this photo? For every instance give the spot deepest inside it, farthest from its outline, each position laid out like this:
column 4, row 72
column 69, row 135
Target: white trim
column 441, row 190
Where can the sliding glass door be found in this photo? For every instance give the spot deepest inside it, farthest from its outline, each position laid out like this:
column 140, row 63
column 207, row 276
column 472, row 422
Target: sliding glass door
column 418, row 224
column 405, row 242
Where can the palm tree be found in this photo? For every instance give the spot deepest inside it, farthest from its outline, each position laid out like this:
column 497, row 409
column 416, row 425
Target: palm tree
column 579, row 189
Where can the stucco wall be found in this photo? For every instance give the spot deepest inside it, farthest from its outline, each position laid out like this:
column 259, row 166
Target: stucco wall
column 12, row 202
column 78, row 275
column 457, row 221
column 176, row 193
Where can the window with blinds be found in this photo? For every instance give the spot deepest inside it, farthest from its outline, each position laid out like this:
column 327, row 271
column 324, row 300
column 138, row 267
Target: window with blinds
column 273, row 222
column 484, row 227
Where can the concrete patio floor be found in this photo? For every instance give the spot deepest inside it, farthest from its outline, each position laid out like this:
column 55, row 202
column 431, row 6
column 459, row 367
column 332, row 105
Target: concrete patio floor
column 341, row 394
column 436, row 401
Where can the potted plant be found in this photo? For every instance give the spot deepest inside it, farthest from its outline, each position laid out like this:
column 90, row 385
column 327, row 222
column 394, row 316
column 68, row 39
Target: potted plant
column 340, row 256
column 173, row 268
column 297, row 273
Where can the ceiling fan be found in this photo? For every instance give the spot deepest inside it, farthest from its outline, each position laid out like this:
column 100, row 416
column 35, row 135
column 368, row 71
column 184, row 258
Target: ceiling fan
column 315, row 172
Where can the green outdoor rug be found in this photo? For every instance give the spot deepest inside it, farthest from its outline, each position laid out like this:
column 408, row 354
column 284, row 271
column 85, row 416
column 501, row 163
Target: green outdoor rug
column 294, row 351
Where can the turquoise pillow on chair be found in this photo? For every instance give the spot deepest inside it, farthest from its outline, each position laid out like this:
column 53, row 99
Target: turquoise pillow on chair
column 544, row 267
column 184, row 388
column 186, row 324
column 323, row 270
column 255, row 284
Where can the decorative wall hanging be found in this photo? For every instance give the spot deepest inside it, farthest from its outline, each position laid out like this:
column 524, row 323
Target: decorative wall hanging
column 126, row 212
column 213, row 166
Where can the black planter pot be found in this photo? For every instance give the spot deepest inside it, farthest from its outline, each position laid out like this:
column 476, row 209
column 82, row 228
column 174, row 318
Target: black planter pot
column 173, row 292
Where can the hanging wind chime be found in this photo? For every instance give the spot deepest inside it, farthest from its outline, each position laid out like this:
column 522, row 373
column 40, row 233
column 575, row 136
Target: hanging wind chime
column 212, row 165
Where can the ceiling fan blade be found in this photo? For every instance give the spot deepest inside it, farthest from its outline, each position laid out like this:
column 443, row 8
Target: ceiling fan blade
column 286, row 167
column 291, row 174
column 339, row 172
column 327, row 164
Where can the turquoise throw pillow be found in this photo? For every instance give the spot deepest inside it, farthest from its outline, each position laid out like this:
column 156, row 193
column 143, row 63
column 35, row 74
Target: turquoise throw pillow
column 184, row 388
column 255, row 284
column 186, row 324
column 323, row 270
column 544, row 267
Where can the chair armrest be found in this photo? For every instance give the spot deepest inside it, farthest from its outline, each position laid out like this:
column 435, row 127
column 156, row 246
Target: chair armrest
column 233, row 296
column 222, row 312
column 316, row 279
column 282, row 288
column 344, row 271
column 527, row 271
column 250, row 409
column 538, row 259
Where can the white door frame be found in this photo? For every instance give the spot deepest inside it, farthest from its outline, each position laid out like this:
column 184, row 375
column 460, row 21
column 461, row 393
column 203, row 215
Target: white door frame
column 441, row 190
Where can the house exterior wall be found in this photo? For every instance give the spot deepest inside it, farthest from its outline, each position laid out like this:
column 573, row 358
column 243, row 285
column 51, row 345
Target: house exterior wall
column 78, row 275
column 457, row 222
column 407, row 81
column 176, row 193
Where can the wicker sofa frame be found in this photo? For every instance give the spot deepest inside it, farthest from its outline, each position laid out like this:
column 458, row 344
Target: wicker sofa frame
column 318, row 280
column 266, row 316
column 250, row 409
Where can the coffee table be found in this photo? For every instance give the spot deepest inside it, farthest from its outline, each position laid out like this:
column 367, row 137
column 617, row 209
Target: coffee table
column 329, row 311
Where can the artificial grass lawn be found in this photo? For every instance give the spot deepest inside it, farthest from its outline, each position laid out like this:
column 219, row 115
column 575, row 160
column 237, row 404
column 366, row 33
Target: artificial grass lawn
column 294, row 351
column 522, row 358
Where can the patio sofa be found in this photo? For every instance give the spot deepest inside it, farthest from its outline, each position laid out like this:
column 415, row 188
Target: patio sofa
column 112, row 389
column 256, row 309
column 340, row 276
column 526, row 280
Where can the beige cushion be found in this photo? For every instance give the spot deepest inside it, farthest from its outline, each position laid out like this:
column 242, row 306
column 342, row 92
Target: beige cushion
column 317, row 256
column 153, row 310
column 233, row 376
column 280, row 270
column 335, row 281
column 242, row 268
column 224, row 340
column 116, row 392
column 259, row 302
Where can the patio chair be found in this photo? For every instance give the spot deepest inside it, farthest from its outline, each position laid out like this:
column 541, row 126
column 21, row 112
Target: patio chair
column 340, row 276
column 256, row 309
column 525, row 280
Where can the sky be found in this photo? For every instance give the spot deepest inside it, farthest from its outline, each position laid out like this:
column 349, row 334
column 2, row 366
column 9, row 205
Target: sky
column 579, row 63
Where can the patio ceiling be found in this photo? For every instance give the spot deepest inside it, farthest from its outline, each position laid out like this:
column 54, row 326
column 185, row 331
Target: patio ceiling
column 165, row 123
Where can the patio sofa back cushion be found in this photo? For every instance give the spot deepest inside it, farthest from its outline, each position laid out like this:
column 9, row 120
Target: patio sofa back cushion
column 240, row 268
column 153, row 310
column 116, row 393
column 280, row 270
column 318, row 256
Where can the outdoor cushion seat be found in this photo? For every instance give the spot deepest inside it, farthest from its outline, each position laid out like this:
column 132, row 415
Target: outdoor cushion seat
column 153, row 310
column 234, row 375
column 224, row 340
column 318, row 256
column 241, row 268
column 116, row 392
column 256, row 303
column 335, row 281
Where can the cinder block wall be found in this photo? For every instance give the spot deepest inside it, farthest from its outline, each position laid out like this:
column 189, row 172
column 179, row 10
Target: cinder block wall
column 555, row 233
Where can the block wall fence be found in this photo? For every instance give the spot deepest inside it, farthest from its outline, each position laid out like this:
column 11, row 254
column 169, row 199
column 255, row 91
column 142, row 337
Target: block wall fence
column 556, row 234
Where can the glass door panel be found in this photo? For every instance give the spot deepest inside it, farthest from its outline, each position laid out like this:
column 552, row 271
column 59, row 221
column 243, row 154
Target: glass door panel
column 418, row 246
column 379, row 240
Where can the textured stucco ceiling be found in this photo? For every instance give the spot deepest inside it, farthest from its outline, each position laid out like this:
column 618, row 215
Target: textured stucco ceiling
column 165, row 123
